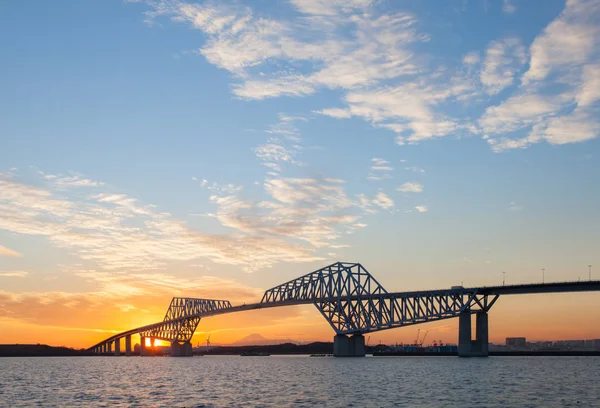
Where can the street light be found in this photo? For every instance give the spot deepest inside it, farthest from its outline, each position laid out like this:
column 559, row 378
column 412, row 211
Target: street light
column 590, row 269
column 543, row 273
column 503, row 278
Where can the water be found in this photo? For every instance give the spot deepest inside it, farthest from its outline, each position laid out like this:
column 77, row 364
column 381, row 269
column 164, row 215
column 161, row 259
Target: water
column 300, row 381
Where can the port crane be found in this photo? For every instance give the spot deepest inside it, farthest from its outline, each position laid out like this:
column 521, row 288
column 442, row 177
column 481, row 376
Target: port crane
column 420, row 343
column 208, row 341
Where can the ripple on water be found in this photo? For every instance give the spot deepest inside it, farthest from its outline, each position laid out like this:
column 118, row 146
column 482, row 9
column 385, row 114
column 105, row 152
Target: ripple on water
column 300, row 381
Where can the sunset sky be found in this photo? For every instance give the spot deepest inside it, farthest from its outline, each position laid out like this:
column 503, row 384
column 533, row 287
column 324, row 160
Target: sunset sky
column 160, row 148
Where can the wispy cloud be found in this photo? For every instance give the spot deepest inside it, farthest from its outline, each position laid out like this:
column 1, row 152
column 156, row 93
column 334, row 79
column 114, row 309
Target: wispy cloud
column 383, row 201
column 421, row 208
column 410, row 187
column 503, row 59
column 379, row 169
column 116, row 232
column 508, row 7
column 4, row 251
column 415, row 169
column 513, row 206
column 372, row 57
column 13, row 274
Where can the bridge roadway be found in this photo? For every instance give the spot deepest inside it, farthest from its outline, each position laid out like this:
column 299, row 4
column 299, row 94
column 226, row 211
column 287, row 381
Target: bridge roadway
column 466, row 301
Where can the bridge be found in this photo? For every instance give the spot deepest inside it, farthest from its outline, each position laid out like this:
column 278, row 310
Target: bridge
column 353, row 302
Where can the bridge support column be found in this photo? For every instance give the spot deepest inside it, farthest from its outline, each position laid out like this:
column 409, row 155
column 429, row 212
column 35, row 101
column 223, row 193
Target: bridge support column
column 175, row 349
column 344, row 346
column 128, row 345
column 142, row 346
column 357, row 345
column 181, row 350
column 117, row 347
column 187, row 349
column 479, row 346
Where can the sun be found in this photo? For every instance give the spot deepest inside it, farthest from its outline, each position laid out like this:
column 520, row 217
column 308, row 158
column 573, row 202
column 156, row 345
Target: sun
column 157, row 343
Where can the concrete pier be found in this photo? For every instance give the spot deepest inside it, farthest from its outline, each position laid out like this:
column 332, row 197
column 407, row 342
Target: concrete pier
column 128, row 345
column 142, row 346
column 181, row 350
column 466, row 346
column 117, row 347
column 344, row 346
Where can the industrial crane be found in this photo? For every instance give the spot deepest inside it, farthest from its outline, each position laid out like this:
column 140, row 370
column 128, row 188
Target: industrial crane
column 420, row 343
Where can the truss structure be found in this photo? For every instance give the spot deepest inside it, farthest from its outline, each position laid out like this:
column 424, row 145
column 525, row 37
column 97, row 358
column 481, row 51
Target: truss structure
column 352, row 300
column 182, row 318
column 349, row 298
column 337, row 280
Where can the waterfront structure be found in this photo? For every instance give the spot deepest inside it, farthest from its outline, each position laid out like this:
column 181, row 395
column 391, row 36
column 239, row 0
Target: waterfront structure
column 516, row 342
column 354, row 303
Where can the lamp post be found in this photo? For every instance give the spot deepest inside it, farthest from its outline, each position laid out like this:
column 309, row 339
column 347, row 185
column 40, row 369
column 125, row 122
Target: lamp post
column 590, row 271
column 543, row 273
column 503, row 278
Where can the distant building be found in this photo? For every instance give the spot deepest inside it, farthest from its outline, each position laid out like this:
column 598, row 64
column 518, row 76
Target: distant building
column 520, row 342
column 593, row 344
column 570, row 344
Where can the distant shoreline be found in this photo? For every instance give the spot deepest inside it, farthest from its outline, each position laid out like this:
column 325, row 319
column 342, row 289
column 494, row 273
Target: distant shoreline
column 42, row 350
column 545, row 353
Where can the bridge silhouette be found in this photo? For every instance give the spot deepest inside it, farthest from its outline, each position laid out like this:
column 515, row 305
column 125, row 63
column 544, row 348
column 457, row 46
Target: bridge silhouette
column 353, row 302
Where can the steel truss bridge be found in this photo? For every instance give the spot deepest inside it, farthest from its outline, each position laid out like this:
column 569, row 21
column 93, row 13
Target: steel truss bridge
column 353, row 302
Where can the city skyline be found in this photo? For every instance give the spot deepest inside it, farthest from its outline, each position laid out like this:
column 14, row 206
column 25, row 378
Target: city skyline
column 166, row 148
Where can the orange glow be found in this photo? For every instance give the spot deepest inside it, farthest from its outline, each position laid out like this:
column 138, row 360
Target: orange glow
column 157, row 343
column 548, row 317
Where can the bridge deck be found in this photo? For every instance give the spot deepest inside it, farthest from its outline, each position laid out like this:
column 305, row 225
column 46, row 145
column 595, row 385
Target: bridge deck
column 535, row 288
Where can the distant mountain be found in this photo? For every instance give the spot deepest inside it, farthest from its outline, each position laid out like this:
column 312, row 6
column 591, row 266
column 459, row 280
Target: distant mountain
column 256, row 339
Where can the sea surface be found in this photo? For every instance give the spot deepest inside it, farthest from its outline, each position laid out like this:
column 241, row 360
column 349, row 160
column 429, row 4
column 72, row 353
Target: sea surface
column 300, row 381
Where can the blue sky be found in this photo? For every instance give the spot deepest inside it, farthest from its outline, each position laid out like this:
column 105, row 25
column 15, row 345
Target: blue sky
column 244, row 143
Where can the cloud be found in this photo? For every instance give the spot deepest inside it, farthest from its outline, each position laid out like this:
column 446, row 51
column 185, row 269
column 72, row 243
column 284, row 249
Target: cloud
column 508, row 7
column 239, row 42
column 13, row 274
column 383, row 201
column 568, row 40
column 381, row 165
column 411, row 187
column 372, row 58
column 471, row 58
column 503, row 59
column 590, row 84
column 115, row 232
column 147, row 294
column 521, row 111
column 313, row 210
column 329, row 8
column 415, row 169
column 337, row 113
column 513, row 206
column 379, row 169
column 421, row 208
column 4, row 251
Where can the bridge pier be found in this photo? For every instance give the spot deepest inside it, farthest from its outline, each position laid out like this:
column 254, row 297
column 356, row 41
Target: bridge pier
column 117, row 347
column 128, row 345
column 142, row 346
column 466, row 346
column 181, row 350
column 344, row 346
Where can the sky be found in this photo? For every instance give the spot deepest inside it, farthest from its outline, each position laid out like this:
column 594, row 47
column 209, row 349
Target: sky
column 160, row 148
